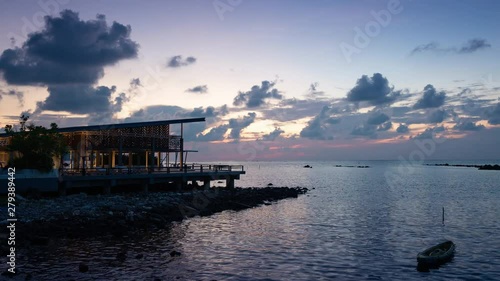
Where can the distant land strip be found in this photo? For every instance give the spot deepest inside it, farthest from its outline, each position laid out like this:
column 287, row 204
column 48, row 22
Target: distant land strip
column 480, row 167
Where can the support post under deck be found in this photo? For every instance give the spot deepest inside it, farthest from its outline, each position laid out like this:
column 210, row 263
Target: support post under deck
column 206, row 184
column 229, row 182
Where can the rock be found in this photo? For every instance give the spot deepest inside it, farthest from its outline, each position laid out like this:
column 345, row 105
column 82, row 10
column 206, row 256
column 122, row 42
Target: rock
column 174, row 253
column 119, row 208
column 121, row 256
column 117, row 215
column 8, row 273
column 130, row 216
column 40, row 241
column 83, row 267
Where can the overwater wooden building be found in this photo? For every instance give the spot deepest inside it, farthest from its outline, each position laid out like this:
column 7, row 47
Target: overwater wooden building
column 129, row 153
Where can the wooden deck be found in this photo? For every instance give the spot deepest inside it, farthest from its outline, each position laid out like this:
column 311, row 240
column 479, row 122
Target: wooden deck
column 110, row 177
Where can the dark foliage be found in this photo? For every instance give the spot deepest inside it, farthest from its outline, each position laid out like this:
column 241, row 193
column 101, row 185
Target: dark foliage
column 36, row 146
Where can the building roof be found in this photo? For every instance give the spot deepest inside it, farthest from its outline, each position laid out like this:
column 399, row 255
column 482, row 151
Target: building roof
column 124, row 125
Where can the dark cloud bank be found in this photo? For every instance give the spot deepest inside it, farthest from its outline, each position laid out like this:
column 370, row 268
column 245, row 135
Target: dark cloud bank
column 68, row 56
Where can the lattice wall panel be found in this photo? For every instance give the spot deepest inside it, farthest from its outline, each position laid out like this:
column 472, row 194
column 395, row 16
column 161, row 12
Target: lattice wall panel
column 140, row 138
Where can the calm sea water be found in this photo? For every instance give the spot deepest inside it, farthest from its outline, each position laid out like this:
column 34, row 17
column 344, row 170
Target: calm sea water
column 357, row 224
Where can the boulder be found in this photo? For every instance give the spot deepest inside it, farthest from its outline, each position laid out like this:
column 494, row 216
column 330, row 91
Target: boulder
column 83, row 267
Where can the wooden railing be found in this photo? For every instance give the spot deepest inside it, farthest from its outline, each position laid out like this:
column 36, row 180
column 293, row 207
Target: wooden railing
column 188, row 168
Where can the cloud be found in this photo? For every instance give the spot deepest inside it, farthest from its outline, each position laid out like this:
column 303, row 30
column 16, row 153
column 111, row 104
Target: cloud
column 399, row 111
column 468, row 126
column 439, row 129
column 208, row 112
column 314, row 93
column 429, row 132
column 316, row 128
column 402, row 129
column 84, row 99
column 365, row 130
column 192, row 131
column 13, row 93
column 257, row 96
column 215, row 134
column 178, row 61
column 135, row 83
column 293, row 109
column 465, row 91
column 235, row 124
column 332, row 120
column 425, row 47
column 68, row 56
column 474, row 45
column 273, row 135
column 375, row 90
column 211, row 114
column 377, row 118
column 385, row 126
column 155, row 112
column 90, row 99
column 100, row 103
column 430, row 98
column 377, row 121
column 68, row 50
column 198, row 89
column 494, row 116
column 468, row 47
column 437, row 116
column 119, row 101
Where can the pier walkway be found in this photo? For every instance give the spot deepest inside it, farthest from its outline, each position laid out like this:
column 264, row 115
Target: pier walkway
column 146, row 176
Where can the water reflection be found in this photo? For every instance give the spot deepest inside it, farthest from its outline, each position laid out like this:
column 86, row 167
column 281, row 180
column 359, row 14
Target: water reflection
column 142, row 255
column 353, row 226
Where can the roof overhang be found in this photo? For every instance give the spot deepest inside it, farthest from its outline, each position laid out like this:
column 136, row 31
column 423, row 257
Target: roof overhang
column 124, row 125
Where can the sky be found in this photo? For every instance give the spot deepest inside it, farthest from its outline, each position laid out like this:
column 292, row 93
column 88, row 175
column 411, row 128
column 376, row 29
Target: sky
column 275, row 80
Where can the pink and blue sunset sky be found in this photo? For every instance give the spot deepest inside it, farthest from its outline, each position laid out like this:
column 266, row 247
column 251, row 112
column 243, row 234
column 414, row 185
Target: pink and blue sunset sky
column 276, row 80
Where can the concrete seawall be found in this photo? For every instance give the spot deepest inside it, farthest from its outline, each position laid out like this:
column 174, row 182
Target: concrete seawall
column 26, row 180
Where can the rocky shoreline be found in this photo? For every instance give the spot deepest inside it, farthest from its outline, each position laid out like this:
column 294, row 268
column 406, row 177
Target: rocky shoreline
column 80, row 215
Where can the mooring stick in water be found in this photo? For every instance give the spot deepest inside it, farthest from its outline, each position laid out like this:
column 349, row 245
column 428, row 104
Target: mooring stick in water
column 443, row 215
